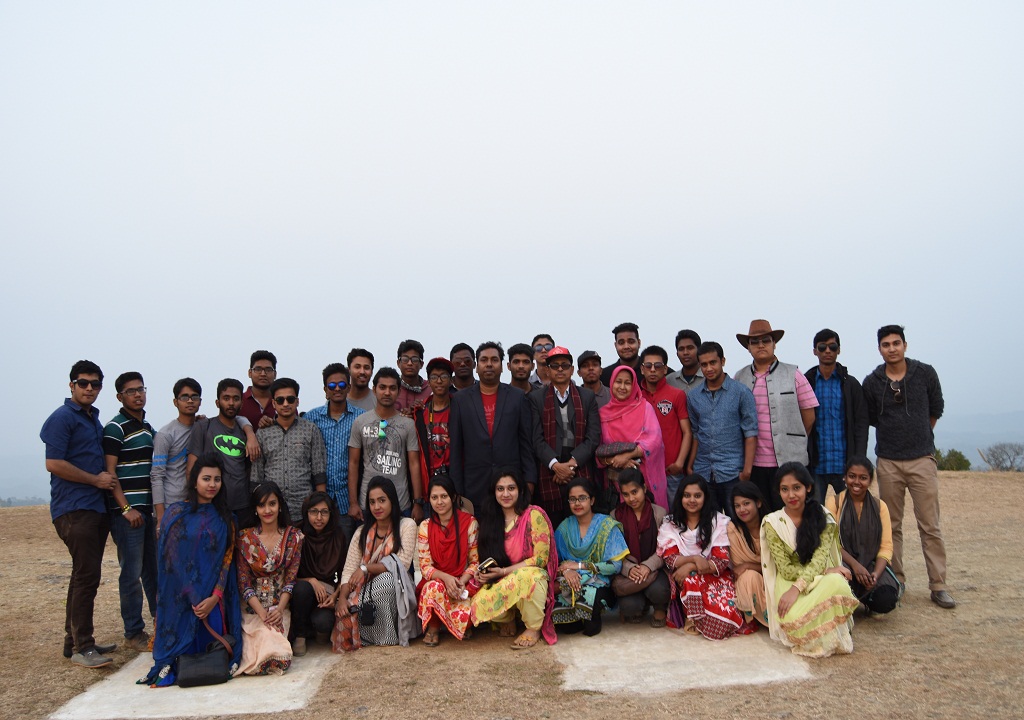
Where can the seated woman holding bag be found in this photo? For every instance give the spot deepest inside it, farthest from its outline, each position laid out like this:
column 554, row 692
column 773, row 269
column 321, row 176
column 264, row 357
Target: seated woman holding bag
column 197, row 590
column 865, row 536
column 324, row 547
column 642, row 580
column 447, row 550
column 377, row 600
column 749, row 509
column 590, row 552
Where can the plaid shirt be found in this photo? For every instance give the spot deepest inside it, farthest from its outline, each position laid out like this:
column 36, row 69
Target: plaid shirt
column 830, row 421
column 294, row 458
column 336, row 434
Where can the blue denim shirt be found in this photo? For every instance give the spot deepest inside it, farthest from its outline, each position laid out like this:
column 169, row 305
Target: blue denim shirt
column 336, row 434
column 75, row 434
column 721, row 421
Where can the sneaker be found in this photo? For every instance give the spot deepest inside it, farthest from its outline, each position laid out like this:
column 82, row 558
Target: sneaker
column 943, row 599
column 139, row 641
column 101, row 649
column 90, row 659
column 299, row 646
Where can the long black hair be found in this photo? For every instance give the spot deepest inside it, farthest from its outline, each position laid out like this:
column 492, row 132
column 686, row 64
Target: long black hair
column 315, row 499
column 220, row 500
column 813, row 522
column 492, row 518
column 707, row 510
column 258, row 496
column 444, row 482
column 382, row 483
column 750, row 491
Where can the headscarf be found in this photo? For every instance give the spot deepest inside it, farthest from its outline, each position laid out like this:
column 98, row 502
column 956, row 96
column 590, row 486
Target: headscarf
column 634, row 420
column 323, row 553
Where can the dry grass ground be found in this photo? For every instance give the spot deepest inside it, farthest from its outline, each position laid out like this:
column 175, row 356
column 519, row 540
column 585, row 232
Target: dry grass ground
column 921, row 662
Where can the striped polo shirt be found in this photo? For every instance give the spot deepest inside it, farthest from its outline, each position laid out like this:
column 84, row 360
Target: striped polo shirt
column 131, row 441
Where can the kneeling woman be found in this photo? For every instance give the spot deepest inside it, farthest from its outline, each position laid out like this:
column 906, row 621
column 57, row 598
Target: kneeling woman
column 268, row 563
column 517, row 536
column 198, row 590
column 694, row 541
column 323, row 557
column 810, row 605
column 749, row 508
column 377, row 600
column 447, row 550
column 642, row 579
column 591, row 548
column 865, row 535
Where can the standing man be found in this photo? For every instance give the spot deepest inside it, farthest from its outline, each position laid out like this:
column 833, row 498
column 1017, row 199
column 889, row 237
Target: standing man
column 384, row 443
column 491, row 427
column 785, row 407
column 128, row 450
column 79, row 483
column 462, row 360
column 904, row 402
column 669, row 404
column 414, row 390
column 542, row 343
column 627, row 347
column 840, row 421
column 432, row 423
column 335, row 420
column 723, row 415
column 520, row 365
column 293, row 453
column 689, row 376
column 590, row 375
column 256, row 405
column 360, row 369
column 223, row 434
column 566, row 433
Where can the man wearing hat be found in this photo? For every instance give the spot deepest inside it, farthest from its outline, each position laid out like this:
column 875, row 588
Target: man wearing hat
column 785, row 407
column 589, row 371
column 566, row 432
column 432, row 422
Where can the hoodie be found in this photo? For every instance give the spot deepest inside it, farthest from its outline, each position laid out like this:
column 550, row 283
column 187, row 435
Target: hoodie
column 903, row 429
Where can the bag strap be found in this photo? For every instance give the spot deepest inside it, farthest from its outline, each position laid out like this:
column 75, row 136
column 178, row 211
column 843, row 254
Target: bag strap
column 216, row 635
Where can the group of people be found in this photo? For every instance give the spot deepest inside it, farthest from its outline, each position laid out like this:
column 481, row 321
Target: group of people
column 536, row 504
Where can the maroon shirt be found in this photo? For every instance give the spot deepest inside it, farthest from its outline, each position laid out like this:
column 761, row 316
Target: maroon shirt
column 252, row 411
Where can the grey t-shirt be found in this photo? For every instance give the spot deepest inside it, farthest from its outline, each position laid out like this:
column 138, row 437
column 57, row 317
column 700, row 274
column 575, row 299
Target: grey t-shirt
column 211, row 435
column 388, row 455
column 367, row 403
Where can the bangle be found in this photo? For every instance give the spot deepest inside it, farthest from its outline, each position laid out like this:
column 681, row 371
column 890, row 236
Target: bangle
column 126, row 509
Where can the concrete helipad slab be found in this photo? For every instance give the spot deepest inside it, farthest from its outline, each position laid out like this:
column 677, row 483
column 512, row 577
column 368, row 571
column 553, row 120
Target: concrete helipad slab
column 119, row 697
column 626, row 657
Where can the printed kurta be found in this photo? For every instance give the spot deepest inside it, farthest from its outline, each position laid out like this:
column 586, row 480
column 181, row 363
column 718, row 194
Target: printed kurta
column 434, row 599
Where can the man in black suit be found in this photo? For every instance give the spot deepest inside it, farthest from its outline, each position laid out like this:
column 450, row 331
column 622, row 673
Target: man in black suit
column 566, row 432
column 490, row 427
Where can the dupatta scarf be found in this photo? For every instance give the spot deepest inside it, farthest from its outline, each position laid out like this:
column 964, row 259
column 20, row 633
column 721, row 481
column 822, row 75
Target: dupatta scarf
column 634, row 420
column 861, row 536
column 345, row 635
column 449, row 552
column 519, row 545
column 641, row 535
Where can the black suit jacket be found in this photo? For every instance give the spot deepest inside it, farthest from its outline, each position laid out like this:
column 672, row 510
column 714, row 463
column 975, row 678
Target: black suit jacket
column 476, row 454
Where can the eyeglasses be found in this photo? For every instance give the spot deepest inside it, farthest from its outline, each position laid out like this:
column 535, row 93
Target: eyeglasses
column 189, row 398
column 313, row 512
column 897, row 391
column 282, row 399
column 337, row 385
column 559, row 366
column 381, row 435
column 88, row 384
column 579, row 500
column 262, row 370
column 439, row 377
column 543, row 347
column 410, row 360
column 132, row 392
column 763, row 340
column 831, row 347
column 652, row 366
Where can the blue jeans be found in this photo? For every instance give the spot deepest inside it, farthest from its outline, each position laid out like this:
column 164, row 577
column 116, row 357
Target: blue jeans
column 136, row 554
column 822, row 483
column 672, row 484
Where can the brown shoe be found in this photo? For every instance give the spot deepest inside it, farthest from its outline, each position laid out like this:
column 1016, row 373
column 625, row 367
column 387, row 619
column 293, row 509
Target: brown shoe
column 138, row 642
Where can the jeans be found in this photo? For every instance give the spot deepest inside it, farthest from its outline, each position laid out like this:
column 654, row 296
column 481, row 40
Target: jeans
column 764, row 478
column 822, row 483
column 672, row 484
column 721, row 492
column 136, row 553
column 85, row 534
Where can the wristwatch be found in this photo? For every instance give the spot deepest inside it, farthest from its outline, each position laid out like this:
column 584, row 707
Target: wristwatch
column 418, row 501
column 363, row 568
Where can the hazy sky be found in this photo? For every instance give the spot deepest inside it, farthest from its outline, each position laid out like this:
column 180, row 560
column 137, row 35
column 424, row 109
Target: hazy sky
column 181, row 185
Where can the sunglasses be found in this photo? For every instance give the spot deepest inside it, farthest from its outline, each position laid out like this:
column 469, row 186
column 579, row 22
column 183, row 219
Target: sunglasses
column 543, row 347
column 652, row 366
column 559, row 366
column 831, row 347
column 88, row 384
column 285, row 399
column 381, row 435
column 897, row 391
column 337, row 385
column 764, row 340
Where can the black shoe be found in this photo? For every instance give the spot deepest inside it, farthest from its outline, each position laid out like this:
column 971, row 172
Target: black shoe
column 101, row 649
column 943, row 599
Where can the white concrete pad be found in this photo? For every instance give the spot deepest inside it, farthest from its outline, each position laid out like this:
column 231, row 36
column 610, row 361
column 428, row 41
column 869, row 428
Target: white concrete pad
column 626, row 657
column 119, row 697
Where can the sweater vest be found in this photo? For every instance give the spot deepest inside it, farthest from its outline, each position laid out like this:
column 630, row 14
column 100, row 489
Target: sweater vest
column 788, row 434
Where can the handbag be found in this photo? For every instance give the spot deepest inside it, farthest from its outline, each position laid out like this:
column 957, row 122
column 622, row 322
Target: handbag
column 207, row 668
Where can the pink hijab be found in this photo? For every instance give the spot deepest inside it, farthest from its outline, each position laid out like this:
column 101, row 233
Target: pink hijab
column 634, row 420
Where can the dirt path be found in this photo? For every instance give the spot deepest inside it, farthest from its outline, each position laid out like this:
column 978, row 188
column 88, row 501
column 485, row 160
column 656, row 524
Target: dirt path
column 921, row 662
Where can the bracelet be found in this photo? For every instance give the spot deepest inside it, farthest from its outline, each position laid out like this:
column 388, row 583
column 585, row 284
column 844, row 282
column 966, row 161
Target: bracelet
column 800, row 585
column 126, row 509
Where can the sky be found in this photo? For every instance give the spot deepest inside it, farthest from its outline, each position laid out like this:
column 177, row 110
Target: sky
column 183, row 184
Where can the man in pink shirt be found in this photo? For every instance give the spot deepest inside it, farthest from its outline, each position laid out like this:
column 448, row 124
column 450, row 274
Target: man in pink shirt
column 670, row 406
column 785, row 407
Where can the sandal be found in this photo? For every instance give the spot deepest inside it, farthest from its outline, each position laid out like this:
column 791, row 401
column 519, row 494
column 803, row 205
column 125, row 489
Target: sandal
column 525, row 642
column 430, row 638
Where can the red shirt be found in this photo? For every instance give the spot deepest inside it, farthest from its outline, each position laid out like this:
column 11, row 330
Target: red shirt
column 490, row 403
column 670, row 407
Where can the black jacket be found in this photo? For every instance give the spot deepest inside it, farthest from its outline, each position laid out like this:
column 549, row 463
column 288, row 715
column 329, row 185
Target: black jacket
column 856, row 416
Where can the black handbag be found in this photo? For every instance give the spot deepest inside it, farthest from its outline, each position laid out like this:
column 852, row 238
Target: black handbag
column 207, row 668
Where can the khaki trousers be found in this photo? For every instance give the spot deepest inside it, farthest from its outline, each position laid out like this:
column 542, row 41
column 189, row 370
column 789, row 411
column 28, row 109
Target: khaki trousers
column 921, row 478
